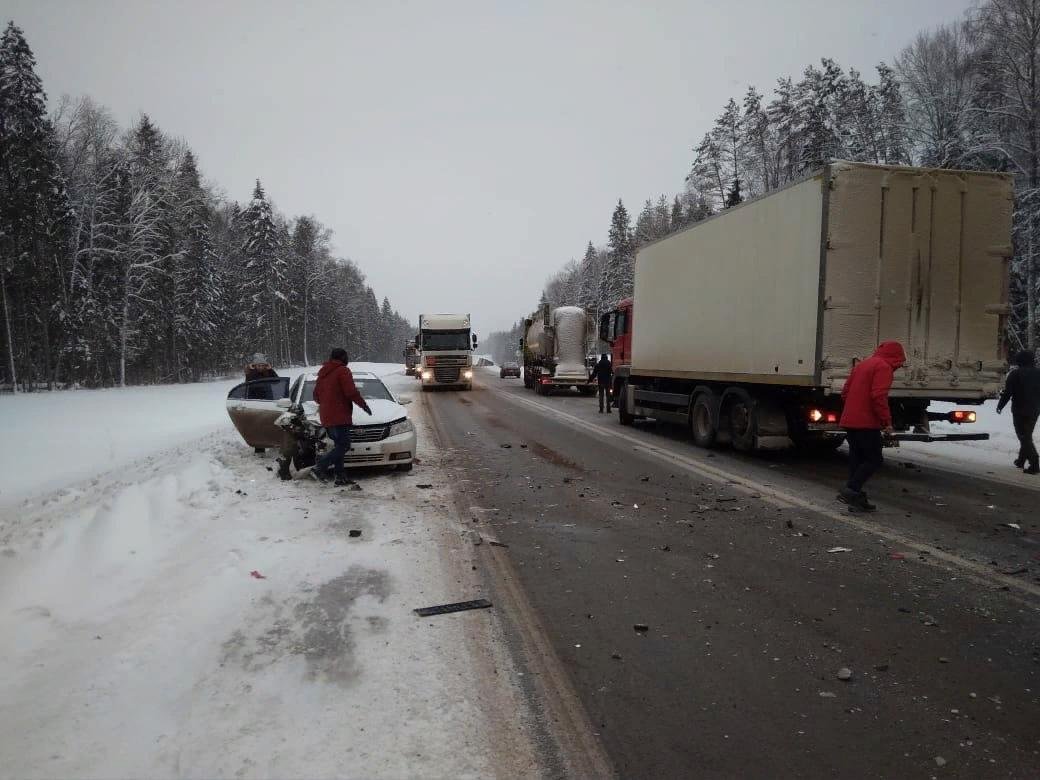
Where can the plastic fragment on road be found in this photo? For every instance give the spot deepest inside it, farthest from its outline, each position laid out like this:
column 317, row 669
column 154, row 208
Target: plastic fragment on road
column 354, row 533
column 641, row 628
column 424, row 487
column 845, row 674
column 459, row 606
column 828, row 695
column 897, row 556
column 257, row 575
column 839, row 549
column 1015, row 526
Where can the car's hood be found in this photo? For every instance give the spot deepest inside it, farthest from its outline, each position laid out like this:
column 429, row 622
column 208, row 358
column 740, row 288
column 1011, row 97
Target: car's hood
column 382, row 412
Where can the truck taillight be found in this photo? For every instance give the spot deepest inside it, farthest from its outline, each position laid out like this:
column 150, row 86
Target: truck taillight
column 546, row 380
column 962, row 416
column 820, row 416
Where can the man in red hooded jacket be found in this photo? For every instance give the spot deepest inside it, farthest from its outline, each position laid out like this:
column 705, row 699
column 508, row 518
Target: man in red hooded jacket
column 336, row 394
column 865, row 416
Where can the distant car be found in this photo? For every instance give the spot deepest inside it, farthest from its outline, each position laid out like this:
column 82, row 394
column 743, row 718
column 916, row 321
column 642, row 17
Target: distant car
column 509, row 369
column 387, row 438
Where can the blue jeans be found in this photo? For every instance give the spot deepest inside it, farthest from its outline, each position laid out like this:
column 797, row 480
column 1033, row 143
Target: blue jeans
column 340, row 435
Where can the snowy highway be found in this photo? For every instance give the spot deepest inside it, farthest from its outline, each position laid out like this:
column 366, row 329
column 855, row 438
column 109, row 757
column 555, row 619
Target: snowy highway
column 706, row 605
column 169, row 608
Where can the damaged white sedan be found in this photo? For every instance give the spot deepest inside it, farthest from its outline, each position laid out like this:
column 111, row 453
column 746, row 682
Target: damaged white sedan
column 387, row 438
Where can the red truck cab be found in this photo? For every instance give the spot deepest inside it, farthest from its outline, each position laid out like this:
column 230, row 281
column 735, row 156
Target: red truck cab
column 615, row 328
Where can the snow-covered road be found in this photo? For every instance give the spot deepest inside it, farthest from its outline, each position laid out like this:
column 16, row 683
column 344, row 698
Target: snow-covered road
column 135, row 640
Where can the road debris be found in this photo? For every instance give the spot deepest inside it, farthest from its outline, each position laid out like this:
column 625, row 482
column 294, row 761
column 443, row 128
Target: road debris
column 897, row 556
column 845, row 674
column 1015, row 526
column 880, row 667
column 839, row 549
column 459, row 606
column 641, row 628
column 828, row 695
column 257, row 575
column 940, row 761
column 354, row 533
column 424, row 486
column 506, row 446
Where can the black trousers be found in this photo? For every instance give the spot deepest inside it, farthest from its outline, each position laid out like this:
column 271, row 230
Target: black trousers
column 1024, row 426
column 604, row 393
column 864, row 456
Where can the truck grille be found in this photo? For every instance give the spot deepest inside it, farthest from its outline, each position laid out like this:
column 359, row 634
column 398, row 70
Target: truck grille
column 446, row 373
column 369, row 433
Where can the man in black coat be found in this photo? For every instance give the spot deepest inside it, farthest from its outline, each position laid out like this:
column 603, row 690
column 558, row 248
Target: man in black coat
column 603, row 373
column 1022, row 389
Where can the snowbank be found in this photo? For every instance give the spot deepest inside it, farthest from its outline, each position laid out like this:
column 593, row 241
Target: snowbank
column 994, row 455
column 57, row 438
column 136, row 640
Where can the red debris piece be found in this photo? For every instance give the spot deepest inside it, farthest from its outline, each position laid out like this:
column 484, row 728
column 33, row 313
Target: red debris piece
column 897, row 556
column 257, row 575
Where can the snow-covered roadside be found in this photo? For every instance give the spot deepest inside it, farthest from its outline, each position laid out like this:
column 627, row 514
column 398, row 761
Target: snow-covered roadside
column 992, row 457
column 134, row 640
column 53, row 439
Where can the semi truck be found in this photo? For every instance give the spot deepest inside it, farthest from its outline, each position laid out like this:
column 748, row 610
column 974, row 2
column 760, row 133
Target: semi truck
column 445, row 343
column 411, row 358
column 554, row 346
column 744, row 327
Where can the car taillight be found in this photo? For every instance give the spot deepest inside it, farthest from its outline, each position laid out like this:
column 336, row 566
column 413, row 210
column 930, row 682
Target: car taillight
column 962, row 416
column 832, row 417
column 546, row 380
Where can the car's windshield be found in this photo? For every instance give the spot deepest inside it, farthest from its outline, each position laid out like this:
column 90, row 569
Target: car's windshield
column 445, row 339
column 371, row 389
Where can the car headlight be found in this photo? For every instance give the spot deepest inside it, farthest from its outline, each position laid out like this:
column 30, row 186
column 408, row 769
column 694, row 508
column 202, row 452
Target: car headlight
column 401, row 426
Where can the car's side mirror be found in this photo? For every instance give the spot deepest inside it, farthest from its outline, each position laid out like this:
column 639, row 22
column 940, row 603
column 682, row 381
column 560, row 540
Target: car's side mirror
column 474, row 341
column 283, row 403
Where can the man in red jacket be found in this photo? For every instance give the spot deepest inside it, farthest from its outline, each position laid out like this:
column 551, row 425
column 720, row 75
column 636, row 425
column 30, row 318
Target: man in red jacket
column 865, row 416
column 336, row 394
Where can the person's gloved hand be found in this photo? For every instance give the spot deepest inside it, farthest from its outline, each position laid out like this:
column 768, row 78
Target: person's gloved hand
column 367, row 410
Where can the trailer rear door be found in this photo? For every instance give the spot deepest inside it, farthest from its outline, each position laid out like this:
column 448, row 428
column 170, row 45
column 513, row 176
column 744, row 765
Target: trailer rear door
column 920, row 257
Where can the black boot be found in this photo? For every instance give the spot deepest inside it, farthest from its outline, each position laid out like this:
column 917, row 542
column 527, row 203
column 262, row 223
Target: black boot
column 1020, row 462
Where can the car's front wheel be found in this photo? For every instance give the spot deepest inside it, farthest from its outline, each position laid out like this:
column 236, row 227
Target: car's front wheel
column 404, row 466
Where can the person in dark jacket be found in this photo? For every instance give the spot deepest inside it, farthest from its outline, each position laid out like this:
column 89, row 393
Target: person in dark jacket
column 1022, row 389
column 865, row 417
column 336, row 395
column 603, row 373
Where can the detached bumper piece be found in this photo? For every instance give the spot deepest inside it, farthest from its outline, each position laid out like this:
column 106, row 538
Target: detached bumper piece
column 460, row 606
column 932, row 437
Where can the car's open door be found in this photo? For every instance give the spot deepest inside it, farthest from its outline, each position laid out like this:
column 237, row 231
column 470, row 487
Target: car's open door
column 252, row 408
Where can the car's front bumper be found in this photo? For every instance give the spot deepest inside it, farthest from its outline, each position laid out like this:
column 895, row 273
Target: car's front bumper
column 392, row 451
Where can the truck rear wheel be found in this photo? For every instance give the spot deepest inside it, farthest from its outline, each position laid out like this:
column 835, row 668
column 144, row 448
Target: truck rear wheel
column 624, row 416
column 702, row 421
column 742, row 423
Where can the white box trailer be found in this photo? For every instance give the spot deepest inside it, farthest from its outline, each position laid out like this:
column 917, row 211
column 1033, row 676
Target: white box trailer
column 760, row 312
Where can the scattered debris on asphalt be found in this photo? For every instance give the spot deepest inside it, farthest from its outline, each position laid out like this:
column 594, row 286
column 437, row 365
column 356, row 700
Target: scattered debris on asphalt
column 459, row 606
column 1015, row 526
column 354, row 533
column 828, row 695
column 424, row 487
column 880, row 667
column 496, row 543
column 506, row 446
column 940, row 761
column 897, row 556
column 845, row 674
column 257, row 575
column 641, row 628
column 839, row 549
column 616, row 656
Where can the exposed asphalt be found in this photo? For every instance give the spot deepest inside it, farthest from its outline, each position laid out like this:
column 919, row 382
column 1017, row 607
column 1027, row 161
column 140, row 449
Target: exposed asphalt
column 749, row 619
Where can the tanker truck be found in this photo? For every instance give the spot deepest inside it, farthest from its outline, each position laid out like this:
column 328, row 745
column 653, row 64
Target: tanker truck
column 744, row 327
column 554, row 345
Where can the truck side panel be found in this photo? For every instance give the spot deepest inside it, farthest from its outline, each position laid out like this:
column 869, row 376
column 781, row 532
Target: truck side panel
column 917, row 256
column 735, row 297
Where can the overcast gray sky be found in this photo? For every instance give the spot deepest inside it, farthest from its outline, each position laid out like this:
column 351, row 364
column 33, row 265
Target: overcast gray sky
column 461, row 151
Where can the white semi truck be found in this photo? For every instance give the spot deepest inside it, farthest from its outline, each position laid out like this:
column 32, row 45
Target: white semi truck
column 446, row 345
column 554, row 348
column 745, row 326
